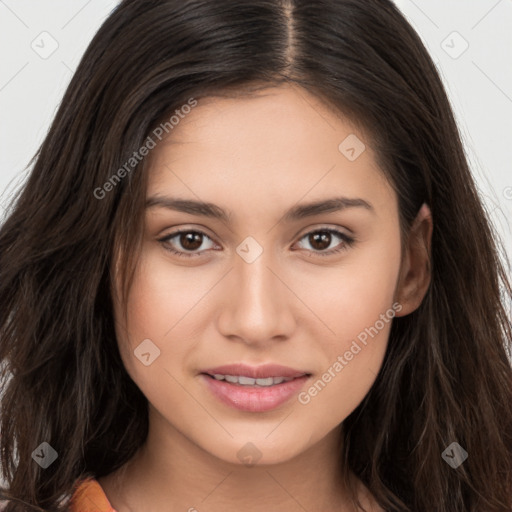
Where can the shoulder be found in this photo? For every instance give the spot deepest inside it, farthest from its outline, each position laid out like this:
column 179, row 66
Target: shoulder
column 90, row 497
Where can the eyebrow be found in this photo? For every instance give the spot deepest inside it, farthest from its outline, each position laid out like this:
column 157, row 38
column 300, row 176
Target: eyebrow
column 297, row 212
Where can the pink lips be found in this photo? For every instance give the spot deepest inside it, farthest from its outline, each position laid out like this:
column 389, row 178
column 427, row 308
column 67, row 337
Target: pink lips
column 254, row 398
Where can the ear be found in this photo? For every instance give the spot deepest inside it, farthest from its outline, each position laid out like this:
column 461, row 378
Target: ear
column 415, row 271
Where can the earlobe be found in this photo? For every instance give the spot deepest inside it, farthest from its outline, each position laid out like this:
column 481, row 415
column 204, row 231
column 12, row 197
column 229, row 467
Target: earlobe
column 415, row 273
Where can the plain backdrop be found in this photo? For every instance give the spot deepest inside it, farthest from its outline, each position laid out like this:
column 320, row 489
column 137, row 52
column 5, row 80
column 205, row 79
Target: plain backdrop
column 471, row 42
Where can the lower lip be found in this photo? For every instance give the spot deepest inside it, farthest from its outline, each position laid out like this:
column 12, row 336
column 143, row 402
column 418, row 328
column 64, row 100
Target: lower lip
column 252, row 398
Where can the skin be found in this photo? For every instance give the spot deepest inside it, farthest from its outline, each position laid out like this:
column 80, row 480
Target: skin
column 257, row 157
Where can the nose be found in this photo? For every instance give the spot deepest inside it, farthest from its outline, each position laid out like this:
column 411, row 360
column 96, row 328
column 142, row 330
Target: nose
column 257, row 306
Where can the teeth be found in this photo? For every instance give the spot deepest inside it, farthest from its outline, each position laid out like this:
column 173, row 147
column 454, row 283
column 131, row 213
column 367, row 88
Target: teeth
column 246, row 381
column 249, row 381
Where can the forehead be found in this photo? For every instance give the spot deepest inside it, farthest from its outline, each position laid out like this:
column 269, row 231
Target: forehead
column 278, row 145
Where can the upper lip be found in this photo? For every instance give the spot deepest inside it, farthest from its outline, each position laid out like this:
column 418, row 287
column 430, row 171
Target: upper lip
column 255, row 372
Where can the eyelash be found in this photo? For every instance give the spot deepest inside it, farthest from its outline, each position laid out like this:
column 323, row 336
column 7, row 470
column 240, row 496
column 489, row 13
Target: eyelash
column 346, row 242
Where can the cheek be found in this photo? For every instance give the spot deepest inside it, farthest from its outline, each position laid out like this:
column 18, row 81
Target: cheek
column 153, row 308
column 362, row 320
column 164, row 305
column 351, row 297
column 357, row 305
column 163, row 296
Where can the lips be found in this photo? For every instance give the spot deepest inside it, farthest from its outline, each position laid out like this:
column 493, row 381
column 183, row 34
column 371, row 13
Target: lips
column 254, row 388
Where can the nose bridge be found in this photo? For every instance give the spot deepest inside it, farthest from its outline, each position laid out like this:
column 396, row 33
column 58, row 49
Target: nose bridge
column 257, row 308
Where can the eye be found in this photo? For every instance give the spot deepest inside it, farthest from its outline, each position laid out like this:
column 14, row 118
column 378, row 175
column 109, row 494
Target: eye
column 321, row 239
column 187, row 239
column 190, row 241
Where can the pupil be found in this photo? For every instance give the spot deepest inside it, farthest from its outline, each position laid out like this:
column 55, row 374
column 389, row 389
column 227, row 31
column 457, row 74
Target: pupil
column 320, row 240
column 188, row 242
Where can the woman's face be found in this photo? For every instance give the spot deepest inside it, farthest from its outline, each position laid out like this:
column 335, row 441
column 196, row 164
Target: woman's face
column 281, row 280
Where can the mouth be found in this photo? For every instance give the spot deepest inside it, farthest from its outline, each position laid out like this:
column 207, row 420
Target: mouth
column 254, row 389
column 243, row 380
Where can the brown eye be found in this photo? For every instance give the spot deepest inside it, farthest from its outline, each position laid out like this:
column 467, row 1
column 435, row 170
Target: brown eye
column 322, row 239
column 191, row 240
column 186, row 243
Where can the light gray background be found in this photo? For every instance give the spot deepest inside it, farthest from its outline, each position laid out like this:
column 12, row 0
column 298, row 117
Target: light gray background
column 479, row 80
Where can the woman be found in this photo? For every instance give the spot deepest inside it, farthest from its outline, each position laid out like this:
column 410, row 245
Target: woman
column 250, row 269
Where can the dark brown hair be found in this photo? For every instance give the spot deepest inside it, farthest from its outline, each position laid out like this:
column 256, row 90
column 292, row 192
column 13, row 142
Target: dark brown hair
column 446, row 375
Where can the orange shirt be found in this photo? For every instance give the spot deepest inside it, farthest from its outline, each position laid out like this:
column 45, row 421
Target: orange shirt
column 89, row 497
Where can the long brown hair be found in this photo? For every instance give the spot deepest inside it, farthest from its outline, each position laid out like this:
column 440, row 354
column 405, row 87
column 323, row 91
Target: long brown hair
column 447, row 374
